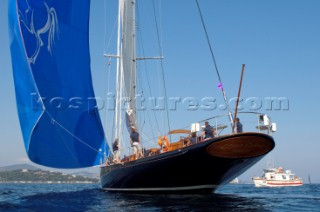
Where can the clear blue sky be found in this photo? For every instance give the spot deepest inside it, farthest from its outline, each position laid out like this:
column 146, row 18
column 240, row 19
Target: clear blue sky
column 279, row 41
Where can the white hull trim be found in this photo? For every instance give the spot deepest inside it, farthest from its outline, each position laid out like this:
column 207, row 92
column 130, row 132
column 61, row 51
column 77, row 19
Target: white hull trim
column 164, row 189
column 263, row 183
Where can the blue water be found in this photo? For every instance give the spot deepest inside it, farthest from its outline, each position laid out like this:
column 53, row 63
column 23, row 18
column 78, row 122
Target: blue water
column 74, row 197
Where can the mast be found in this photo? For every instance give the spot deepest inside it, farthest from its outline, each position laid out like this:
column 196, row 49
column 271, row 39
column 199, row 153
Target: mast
column 126, row 67
column 118, row 75
column 129, row 62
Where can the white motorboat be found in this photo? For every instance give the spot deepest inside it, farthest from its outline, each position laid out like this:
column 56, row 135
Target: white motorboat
column 277, row 177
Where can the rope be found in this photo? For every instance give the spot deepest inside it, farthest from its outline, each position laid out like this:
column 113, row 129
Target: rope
column 53, row 121
column 161, row 63
column 208, row 40
column 214, row 61
column 146, row 72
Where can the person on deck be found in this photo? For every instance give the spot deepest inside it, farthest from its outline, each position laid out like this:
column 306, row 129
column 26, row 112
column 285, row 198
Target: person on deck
column 116, row 152
column 135, row 143
column 238, row 127
column 193, row 138
column 208, row 131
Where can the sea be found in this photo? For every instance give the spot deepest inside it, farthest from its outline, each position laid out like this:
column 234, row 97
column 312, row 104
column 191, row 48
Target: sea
column 90, row 197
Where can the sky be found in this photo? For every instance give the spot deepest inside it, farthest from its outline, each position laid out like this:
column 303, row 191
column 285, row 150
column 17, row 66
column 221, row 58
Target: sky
column 279, row 41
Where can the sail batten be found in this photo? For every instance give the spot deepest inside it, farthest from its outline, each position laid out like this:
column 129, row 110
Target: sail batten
column 56, row 104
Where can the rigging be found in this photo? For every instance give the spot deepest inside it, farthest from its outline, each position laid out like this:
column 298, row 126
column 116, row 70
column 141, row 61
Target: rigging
column 214, row 62
column 162, row 68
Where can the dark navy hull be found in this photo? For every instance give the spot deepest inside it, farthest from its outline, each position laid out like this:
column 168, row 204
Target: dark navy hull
column 200, row 168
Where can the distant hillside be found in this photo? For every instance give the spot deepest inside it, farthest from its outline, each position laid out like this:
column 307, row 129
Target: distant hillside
column 40, row 176
column 88, row 174
column 22, row 173
column 18, row 167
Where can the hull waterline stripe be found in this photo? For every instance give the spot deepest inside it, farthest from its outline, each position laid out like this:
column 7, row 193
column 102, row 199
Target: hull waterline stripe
column 163, row 189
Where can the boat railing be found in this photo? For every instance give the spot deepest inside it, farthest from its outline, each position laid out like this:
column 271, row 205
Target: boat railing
column 251, row 122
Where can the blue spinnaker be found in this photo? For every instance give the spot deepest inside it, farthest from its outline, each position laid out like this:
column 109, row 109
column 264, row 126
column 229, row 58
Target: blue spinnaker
column 57, row 110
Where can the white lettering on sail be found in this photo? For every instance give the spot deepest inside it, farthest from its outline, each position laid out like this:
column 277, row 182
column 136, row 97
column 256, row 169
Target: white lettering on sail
column 51, row 27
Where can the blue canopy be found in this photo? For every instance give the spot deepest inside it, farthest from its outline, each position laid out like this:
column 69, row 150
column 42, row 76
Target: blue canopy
column 57, row 110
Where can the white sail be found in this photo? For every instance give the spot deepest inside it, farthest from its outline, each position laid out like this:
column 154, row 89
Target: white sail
column 126, row 67
column 129, row 61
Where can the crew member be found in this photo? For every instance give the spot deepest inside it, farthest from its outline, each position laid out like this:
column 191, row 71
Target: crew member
column 135, row 143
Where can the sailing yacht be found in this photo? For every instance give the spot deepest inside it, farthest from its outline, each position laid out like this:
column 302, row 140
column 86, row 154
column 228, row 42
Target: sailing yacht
column 61, row 124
